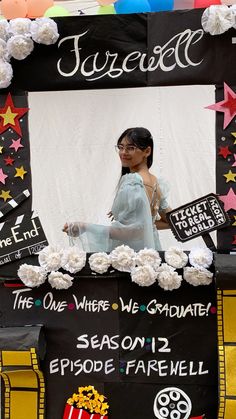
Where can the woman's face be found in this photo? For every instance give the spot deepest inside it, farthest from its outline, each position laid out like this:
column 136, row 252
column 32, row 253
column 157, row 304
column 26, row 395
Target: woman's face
column 130, row 155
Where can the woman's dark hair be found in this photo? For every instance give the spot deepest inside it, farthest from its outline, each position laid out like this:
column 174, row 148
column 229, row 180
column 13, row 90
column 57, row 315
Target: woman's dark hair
column 141, row 138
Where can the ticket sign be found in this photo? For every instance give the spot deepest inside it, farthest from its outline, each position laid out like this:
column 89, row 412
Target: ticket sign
column 197, row 218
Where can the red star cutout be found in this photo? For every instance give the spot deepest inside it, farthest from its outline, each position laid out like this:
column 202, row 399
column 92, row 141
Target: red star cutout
column 9, row 161
column 229, row 200
column 227, row 106
column 234, row 240
column 224, row 151
column 16, row 114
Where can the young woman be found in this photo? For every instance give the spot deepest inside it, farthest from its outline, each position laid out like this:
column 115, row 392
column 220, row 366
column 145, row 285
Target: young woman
column 140, row 206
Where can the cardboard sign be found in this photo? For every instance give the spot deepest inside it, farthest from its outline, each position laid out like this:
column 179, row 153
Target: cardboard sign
column 19, row 237
column 197, row 218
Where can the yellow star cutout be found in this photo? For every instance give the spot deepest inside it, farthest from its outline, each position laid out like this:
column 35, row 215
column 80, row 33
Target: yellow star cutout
column 20, row 172
column 234, row 135
column 8, row 116
column 5, row 195
column 1, row 148
column 230, row 176
column 234, row 223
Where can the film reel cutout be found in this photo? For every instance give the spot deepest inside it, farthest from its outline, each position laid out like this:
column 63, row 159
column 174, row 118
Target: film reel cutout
column 172, row 403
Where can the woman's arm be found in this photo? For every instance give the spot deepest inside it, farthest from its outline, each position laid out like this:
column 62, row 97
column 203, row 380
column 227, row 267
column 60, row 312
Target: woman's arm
column 163, row 224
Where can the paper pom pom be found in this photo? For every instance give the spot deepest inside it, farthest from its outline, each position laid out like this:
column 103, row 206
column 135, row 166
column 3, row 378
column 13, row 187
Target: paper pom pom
column 176, row 257
column 6, row 74
column 201, row 257
column 20, row 26
column 60, row 281
column 123, row 258
column 99, row 262
column 165, row 268
column 4, row 28
column 4, row 55
column 32, row 276
column 143, row 275
column 73, row 259
column 233, row 10
column 20, row 46
column 148, row 257
column 50, row 258
column 197, row 276
column 217, row 19
column 168, row 278
column 44, row 31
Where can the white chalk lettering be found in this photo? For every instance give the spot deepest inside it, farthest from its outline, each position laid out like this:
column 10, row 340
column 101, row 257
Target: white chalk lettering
column 66, row 366
column 164, row 368
column 91, row 305
column 164, row 57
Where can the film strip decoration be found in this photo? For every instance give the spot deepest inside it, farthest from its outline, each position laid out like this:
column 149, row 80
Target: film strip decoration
column 226, row 302
column 14, row 202
column 24, row 387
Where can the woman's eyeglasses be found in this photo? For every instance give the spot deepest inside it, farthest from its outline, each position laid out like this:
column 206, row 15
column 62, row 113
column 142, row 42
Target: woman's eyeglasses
column 128, row 148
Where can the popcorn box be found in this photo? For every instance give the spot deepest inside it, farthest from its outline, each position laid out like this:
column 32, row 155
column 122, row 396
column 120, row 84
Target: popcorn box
column 71, row 412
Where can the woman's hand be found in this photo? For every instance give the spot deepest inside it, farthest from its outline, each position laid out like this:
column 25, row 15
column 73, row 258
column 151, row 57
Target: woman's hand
column 74, row 229
column 65, row 228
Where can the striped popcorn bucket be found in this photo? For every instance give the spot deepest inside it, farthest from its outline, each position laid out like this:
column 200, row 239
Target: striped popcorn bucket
column 71, row 412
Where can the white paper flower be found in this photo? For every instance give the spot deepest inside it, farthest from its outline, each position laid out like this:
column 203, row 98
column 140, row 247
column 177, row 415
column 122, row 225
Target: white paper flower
column 123, row 258
column 44, row 31
column 50, row 258
column 73, row 259
column 197, row 276
column 148, row 257
column 60, row 281
column 6, row 74
column 4, row 27
column 143, row 275
column 176, row 257
column 99, row 262
column 169, row 280
column 4, row 55
column 20, row 46
column 167, row 277
column 32, row 276
column 233, row 10
column 20, row 26
column 165, row 268
column 201, row 257
column 217, row 19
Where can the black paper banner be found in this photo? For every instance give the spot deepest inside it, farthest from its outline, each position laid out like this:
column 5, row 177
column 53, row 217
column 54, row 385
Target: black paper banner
column 129, row 342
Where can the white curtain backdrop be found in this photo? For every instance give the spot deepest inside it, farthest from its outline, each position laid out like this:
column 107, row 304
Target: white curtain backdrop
column 75, row 168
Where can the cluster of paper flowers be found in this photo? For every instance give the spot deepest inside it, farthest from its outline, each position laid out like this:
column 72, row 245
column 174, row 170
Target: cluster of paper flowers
column 219, row 19
column 16, row 41
column 51, row 259
column 89, row 400
column 145, row 266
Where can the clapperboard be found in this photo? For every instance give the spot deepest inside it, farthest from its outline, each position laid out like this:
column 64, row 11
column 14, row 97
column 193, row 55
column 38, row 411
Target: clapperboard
column 20, row 237
column 198, row 218
column 14, row 203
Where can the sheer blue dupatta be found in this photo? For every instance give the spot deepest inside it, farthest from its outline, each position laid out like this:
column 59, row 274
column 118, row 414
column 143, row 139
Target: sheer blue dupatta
column 132, row 223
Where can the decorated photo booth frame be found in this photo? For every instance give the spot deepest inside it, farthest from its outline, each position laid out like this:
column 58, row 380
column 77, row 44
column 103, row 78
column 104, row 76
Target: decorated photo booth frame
column 97, row 52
